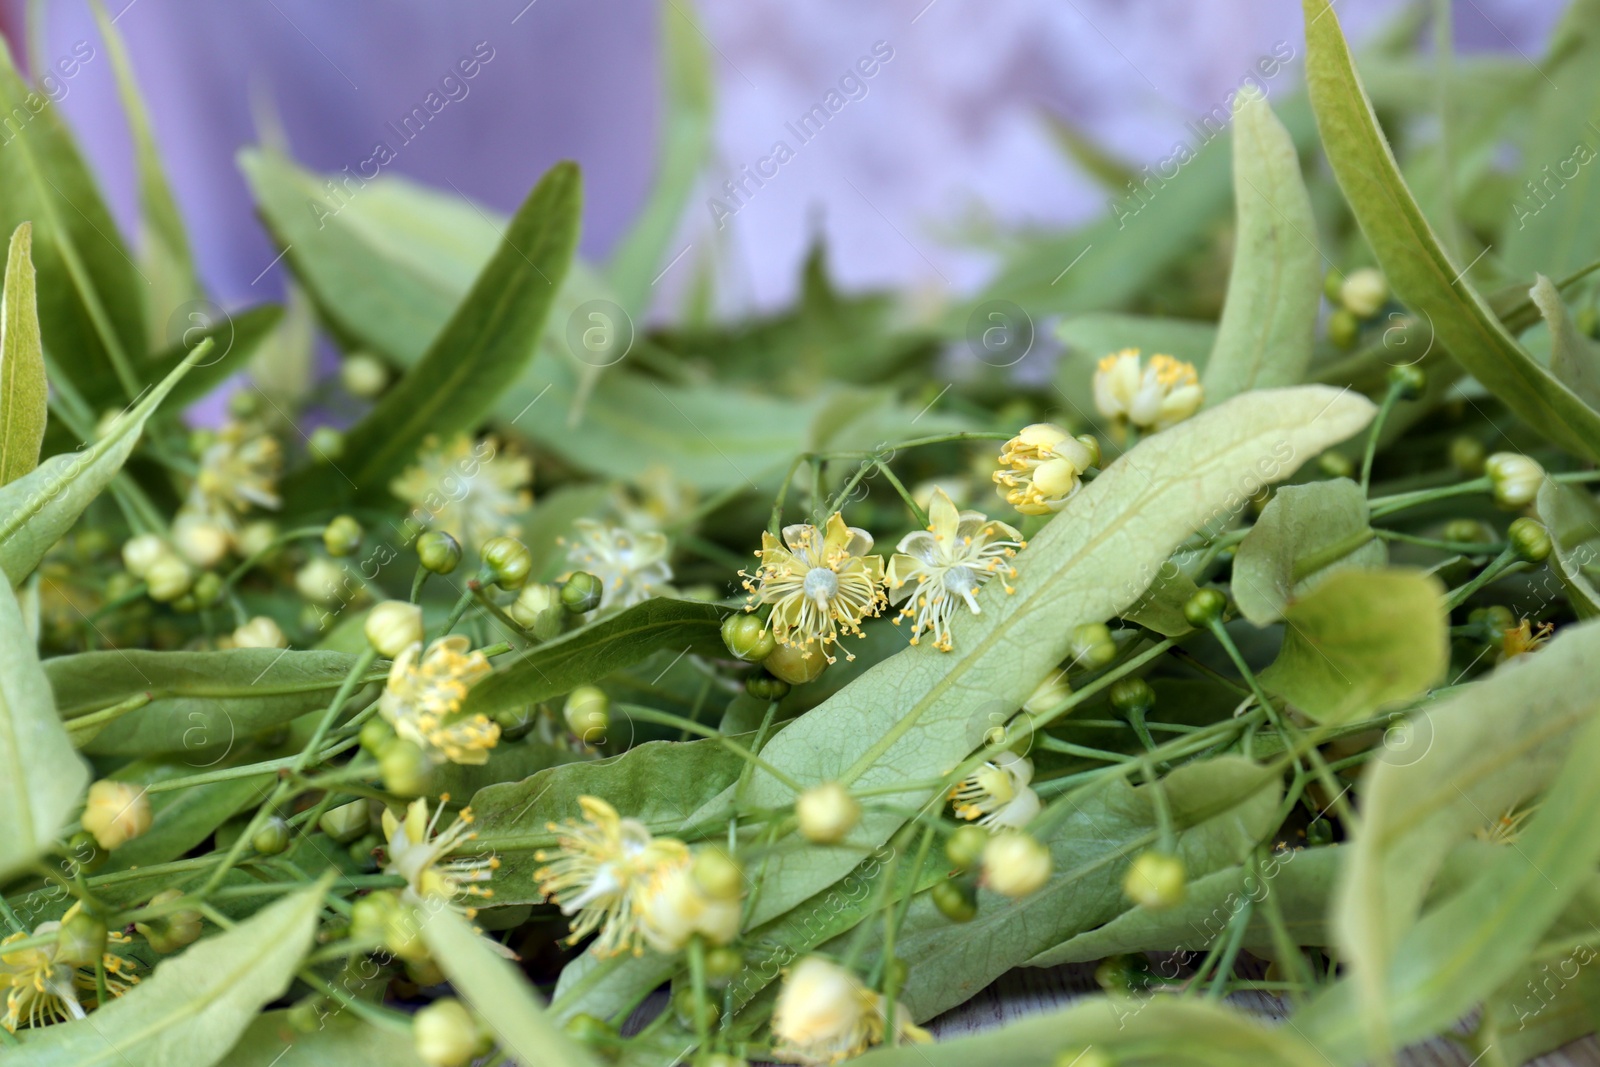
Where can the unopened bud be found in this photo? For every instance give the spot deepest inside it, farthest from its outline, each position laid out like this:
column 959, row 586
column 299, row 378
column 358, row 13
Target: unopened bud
column 326, row 444
column 116, row 813
column 438, row 551
column 1156, row 880
column 81, row 940
column 965, row 847
column 508, row 560
column 1364, row 292
column 1015, row 864
column 446, row 1034
column 394, row 626
column 404, row 768
column 538, row 610
column 582, row 592
column 1048, row 694
column 199, row 541
column 956, row 899
column 170, row 932
column 1530, row 540
column 827, row 812
column 346, row 822
column 1092, row 646
column 718, row 874
column 342, row 536
column 168, row 578
column 1514, row 477
column 795, row 666
column 588, row 713
column 747, row 638
column 1204, row 607
column 363, row 375
column 260, row 632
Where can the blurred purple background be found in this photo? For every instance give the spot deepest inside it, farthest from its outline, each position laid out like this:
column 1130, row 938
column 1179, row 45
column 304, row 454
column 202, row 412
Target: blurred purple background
column 949, row 128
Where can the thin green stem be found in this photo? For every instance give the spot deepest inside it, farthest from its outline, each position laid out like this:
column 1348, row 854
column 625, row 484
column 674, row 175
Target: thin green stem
column 1390, row 399
column 665, row 718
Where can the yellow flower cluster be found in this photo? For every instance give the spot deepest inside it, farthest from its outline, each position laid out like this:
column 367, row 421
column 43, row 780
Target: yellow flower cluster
column 423, row 696
column 42, row 988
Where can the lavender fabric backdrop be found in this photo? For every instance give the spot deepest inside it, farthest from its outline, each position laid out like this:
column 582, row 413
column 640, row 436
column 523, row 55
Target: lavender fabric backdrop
column 948, row 125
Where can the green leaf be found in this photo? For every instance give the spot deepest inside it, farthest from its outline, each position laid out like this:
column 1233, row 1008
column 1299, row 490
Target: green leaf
column 1152, row 1032
column 180, row 819
column 1572, row 516
column 1573, row 357
column 91, row 314
column 1093, row 158
column 41, row 777
column 685, row 139
column 920, row 712
column 343, row 1040
column 1554, row 225
column 1300, row 879
column 499, row 993
column 1305, row 534
column 191, row 1011
column 1223, row 807
column 1467, row 760
column 660, row 783
column 1160, row 609
column 203, row 701
column 603, row 647
column 24, row 393
column 1416, row 264
column 1274, row 290
column 166, row 245
column 1360, row 641
column 481, row 350
column 37, row 510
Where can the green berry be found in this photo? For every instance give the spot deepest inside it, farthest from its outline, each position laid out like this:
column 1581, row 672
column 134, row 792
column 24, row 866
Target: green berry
column 438, row 551
column 1129, row 695
column 508, row 560
column 1409, row 381
column 764, row 686
column 747, row 638
column 581, row 593
column 1530, row 540
column 342, row 536
column 964, row 848
column 271, row 838
column 1205, row 607
column 957, row 900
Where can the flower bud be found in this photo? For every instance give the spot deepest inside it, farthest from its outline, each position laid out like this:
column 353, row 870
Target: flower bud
column 438, row 551
column 404, row 768
column 1495, row 620
column 116, row 813
column 394, row 626
column 320, row 581
column 956, row 899
column 260, row 632
column 1364, row 292
column 1332, row 281
column 718, row 874
column 1530, row 539
column 1125, row 973
column 1469, row 532
column 1015, row 864
column 1130, row 695
column 827, row 812
column 207, row 589
column 342, row 536
column 538, row 610
column 257, row 537
column 1344, row 329
column 591, row 1030
column 168, row 578
column 170, row 932
column 794, row 666
column 1514, row 477
column 346, row 822
column 446, row 1034
column 1204, row 607
column 723, row 963
column 363, row 375
column 140, row 552
column 199, row 541
column 1092, row 443
column 86, row 854
column 1335, row 464
column 376, row 733
column 81, row 939
column 588, row 713
column 764, row 686
column 747, row 638
column 1092, row 646
column 508, row 560
column 582, row 592
column 1049, row 693
column 692, row 1011
column 1156, row 880
column 380, row 918
column 326, row 444
column 964, row 848
column 1467, row 455
column 1408, row 381
column 271, row 838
